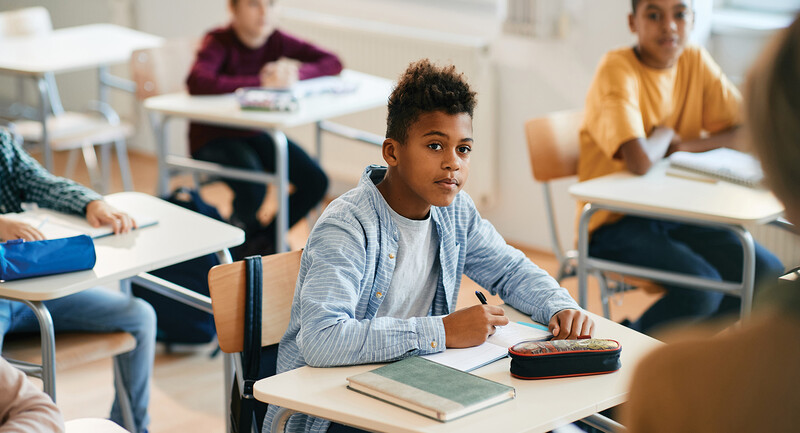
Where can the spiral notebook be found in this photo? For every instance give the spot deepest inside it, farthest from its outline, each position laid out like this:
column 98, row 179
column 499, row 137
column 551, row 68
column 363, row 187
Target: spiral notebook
column 723, row 163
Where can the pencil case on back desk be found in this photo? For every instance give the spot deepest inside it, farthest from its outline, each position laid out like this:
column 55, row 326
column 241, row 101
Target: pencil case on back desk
column 25, row 259
column 564, row 358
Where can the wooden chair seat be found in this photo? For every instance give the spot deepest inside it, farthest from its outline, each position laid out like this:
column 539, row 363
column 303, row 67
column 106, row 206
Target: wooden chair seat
column 72, row 130
column 72, row 348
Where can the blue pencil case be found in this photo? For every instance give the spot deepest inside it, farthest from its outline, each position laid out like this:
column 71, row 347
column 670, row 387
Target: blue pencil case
column 25, row 259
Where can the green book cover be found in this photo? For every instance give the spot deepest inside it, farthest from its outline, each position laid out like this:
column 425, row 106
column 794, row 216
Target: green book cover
column 430, row 389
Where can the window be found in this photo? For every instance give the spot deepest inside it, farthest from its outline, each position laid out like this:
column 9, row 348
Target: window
column 774, row 6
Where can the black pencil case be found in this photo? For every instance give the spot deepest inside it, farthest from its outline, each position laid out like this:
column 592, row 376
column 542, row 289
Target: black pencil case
column 564, row 358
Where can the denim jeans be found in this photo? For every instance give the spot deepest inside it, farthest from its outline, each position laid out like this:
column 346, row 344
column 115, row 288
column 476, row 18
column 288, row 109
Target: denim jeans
column 100, row 310
column 695, row 250
column 257, row 153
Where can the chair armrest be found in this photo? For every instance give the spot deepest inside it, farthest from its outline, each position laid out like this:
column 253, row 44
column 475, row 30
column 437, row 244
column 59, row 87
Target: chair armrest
column 105, row 110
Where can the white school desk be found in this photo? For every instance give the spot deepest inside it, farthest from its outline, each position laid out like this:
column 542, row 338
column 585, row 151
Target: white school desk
column 660, row 195
column 223, row 110
column 540, row 405
column 71, row 49
column 179, row 235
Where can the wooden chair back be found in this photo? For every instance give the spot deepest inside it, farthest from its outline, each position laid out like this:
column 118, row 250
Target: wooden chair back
column 553, row 144
column 227, row 286
column 163, row 69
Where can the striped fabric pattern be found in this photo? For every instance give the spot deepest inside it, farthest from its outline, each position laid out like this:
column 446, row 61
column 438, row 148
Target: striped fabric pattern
column 348, row 264
column 23, row 179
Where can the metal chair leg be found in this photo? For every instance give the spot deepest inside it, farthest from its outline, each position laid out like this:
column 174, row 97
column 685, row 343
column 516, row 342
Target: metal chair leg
column 604, row 295
column 123, row 398
column 91, row 165
column 72, row 162
column 105, row 163
column 124, row 165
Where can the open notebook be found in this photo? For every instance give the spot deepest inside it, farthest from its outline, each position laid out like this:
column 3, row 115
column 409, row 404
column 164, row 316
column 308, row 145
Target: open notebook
column 723, row 163
column 495, row 347
column 56, row 225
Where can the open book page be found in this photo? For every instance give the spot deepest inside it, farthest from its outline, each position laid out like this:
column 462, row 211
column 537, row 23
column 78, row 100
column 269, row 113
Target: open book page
column 495, row 347
column 56, row 225
column 723, row 163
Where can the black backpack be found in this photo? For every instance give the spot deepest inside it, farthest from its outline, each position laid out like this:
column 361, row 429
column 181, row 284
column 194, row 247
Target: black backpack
column 177, row 322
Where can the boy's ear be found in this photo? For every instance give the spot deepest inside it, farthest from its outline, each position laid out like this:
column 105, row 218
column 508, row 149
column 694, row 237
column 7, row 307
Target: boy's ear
column 632, row 23
column 389, row 151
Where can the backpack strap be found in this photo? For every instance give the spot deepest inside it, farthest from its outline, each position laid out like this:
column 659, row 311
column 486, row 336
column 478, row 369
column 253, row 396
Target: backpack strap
column 251, row 356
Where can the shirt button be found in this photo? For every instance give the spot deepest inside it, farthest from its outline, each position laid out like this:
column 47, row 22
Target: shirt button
column 379, row 294
column 391, row 256
column 433, row 344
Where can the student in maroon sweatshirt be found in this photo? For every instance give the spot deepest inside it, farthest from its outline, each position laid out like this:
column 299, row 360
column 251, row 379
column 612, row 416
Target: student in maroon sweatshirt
column 251, row 52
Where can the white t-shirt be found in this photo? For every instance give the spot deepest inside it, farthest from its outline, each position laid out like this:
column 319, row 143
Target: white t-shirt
column 416, row 272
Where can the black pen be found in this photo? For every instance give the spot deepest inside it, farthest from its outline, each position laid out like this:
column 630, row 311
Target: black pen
column 481, row 297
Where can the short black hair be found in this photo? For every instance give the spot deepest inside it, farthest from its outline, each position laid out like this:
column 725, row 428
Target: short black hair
column 423, row 88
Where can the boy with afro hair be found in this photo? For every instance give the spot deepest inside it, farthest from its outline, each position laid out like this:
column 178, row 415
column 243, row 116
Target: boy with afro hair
column 380, row 274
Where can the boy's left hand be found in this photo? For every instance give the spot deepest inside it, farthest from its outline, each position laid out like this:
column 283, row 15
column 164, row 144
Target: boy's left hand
column 570, row 324
column 99, row 213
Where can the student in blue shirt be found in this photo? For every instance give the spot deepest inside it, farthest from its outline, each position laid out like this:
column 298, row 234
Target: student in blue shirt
column 380, row 274
column 22, row 179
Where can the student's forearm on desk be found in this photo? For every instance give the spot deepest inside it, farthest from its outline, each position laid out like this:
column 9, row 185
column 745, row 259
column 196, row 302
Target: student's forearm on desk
column 730, row 138
column 382, row 339
column 640, row 154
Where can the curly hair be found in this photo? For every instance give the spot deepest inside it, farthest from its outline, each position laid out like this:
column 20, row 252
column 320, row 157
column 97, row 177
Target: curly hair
column 423, row 88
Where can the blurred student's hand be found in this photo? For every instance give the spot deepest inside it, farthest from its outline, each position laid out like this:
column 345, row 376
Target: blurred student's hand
column 10, row 229
column 571, row 324
column 100, row 213
column 472, row 326
column 281, row 74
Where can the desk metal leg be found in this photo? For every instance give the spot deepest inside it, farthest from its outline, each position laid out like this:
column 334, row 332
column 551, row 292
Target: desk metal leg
column 604, row 423
column 318, row 140
column 44, row 110
column 748, row 270
column 583, row 254
column 159, row 125
column 282, row 177
column 48, row 346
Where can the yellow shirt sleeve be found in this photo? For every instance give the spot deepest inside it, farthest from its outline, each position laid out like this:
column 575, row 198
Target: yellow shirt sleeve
column 617, row 117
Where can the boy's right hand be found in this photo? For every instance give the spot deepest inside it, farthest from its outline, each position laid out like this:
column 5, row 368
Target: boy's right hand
column 11, row 229
column 472, row 326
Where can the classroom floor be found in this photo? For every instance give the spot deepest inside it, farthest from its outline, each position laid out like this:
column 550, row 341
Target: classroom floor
column 187, row 390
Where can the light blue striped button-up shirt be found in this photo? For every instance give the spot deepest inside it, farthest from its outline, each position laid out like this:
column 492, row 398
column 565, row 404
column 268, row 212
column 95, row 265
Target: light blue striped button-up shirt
column 347, row 267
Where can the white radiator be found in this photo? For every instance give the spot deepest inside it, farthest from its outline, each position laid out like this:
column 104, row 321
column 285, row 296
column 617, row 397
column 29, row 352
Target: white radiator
column 386, row 50
column 782, row 243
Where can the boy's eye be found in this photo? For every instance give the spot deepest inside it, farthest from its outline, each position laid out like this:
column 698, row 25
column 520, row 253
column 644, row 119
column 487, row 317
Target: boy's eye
column 464, row 149
column 435, row 146
column 681, row 15
column 654, row 16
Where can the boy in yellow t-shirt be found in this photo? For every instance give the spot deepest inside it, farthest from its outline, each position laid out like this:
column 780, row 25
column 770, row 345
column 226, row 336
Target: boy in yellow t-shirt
column 646, row 102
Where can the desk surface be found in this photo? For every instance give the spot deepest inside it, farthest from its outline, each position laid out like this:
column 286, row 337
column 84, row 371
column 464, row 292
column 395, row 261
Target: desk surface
column 179, row 235
column 540, row 405
column 662, row 193
column 73, row 48
column 371, row 92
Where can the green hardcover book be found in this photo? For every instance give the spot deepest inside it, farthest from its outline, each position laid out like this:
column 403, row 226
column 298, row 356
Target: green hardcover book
column 430, row 388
